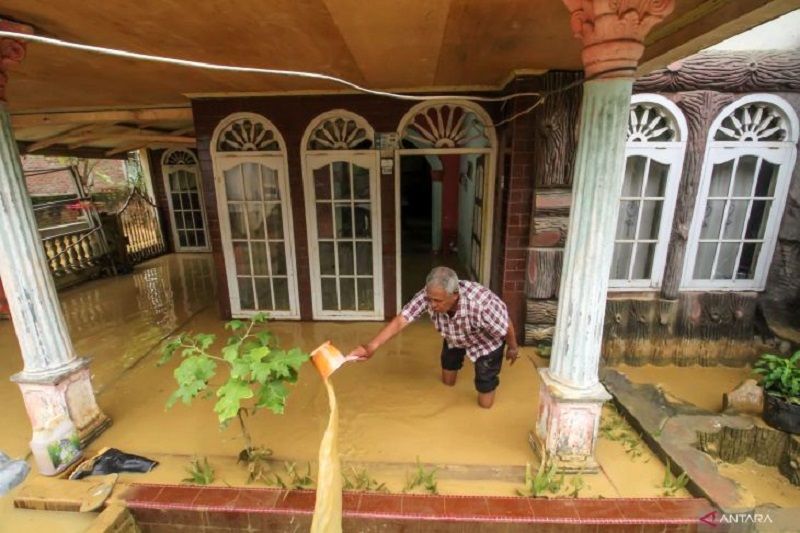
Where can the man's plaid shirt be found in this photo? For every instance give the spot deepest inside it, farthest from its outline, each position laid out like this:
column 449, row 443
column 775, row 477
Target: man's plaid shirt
column 480, row 322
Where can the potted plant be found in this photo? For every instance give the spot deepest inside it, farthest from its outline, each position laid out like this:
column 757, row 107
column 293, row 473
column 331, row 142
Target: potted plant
column 780, row 379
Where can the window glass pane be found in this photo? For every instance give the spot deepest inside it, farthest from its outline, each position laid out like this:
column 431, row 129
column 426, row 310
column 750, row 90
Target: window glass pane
column 281, row 293
column 651, row 219
column 322, row 183
column 626, row 223
column 657, row 179
column 621, row 260
column 734, row 222
column 255, row 221
column 233, row 183
column 176, row 202
column 201, row 238
column 194, row 200
column 705, row 260
column 360, row 182
column 346, row 258
column 270, row 183
column 748, row 260
column 745, row 171
column 366, row 298
column 329, row 299
column 757, row 223
column 186, row 201
column 182, row 180
column 190, row 239
column 274, row 221
column 191, row 181
column 634, row 175
column 643, row 265
column 324, row 221
column 327, row 259
column 277, row 256
column 198, row 219
column 726, row 259
column 246, row 293
column 344, row 222
column 767, row 177
column 361, row 213
column 720, row 179
column 263, row 293
column 341, row 180
column 179, row 222
column 259, row 251
column 712, row 219
column 364, row 258
column 174, row 181
column 252, row 181
column 241, row 257
column 347, row 293
column 182, row 238
column 238, row 225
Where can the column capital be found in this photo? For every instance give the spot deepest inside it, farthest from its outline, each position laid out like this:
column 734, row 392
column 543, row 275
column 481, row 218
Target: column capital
column 613, row 32
column 12, row 51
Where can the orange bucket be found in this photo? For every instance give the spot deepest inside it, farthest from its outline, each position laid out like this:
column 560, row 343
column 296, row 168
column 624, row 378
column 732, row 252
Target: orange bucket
column 327, row 358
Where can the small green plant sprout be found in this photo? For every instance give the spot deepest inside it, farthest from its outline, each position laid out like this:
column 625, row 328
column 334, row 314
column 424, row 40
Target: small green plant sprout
column 672, row 484
column 545, row 480
column 200, row 473
column 257, row 462
column 614, row 428
column 254, row 371
column 780, row 376
column 296, row 479
column 362, row 481
column 578, row 484
column 422, row 479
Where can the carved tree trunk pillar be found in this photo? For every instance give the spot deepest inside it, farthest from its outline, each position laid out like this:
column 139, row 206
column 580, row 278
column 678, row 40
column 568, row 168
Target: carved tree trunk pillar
column 55, row 383
column 571, row 395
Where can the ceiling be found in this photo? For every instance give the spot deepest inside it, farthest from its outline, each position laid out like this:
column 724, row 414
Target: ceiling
column 403, row 45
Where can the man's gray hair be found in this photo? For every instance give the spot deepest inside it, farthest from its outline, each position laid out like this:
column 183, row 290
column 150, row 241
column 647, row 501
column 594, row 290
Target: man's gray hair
column 443, row 278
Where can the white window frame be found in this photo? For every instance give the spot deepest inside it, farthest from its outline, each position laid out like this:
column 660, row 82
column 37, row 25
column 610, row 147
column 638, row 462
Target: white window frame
column 782, row 153
column 166, row 169
column 669, row 153
column 369, row 159
column 273, row 159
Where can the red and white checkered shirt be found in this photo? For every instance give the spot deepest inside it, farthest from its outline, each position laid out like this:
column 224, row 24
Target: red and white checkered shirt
column 479, row 324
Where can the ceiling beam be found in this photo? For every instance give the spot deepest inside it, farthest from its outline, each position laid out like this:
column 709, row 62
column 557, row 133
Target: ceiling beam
column 709, row 23
column 30, row 120
column 60, row 137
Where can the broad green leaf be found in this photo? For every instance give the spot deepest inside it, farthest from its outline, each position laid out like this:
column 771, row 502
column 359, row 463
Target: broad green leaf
column 205, row 340
column 231, row 352
column 230, row 397
column 264, row 337
column 234, row 325
column 272, row 395
column 257, row 353
column 169, row 350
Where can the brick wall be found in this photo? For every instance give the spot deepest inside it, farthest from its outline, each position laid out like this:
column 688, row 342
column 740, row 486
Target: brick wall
column 291, row 115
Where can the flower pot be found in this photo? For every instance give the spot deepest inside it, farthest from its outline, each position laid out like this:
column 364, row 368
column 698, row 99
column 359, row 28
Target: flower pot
column 781, row 414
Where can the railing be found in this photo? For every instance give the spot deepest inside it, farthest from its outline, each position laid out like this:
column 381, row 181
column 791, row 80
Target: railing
column 140, row 225
column 73, row 253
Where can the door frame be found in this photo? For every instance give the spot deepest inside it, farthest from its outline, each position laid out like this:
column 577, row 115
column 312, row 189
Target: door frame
column 276, row 160
column 165, row 170
column 488, row 208
column 372, row 158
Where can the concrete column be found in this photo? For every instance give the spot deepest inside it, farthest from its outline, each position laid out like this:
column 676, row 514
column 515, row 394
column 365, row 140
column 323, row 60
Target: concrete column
column 571, row 396
column 55, row 383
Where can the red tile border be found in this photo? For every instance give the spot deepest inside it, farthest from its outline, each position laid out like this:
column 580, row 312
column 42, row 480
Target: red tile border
column 221, row 504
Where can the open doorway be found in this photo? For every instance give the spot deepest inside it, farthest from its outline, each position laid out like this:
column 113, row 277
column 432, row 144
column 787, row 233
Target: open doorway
column 437, row 216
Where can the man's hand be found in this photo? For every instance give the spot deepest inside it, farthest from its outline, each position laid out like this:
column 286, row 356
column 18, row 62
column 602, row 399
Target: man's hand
column 512, row 352
column 362, row 352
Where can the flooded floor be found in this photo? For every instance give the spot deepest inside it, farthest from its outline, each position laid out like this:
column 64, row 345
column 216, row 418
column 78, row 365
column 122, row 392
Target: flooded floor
column 393, row 409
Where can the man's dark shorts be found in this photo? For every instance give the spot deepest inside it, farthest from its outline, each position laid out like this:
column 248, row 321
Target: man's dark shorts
column 487, row 367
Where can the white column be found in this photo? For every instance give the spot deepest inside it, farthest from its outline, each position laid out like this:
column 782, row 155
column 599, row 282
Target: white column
column 596, row 186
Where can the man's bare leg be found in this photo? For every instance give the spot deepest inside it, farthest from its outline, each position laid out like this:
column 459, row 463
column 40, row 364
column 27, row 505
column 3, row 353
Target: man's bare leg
column 486, row 399
column 449, row 377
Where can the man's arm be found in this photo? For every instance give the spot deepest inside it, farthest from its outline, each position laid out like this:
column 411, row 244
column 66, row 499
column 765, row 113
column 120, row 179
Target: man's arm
column 512, row 350
column 391, row 329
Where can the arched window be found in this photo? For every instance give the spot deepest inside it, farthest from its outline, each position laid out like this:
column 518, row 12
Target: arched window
column 448, row 125
column 340, row 176
column 746, row 173
column 654, row 158
column 255, row 216
column 185, row 198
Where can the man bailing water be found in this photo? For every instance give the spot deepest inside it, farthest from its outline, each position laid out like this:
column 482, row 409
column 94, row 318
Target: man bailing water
column 473, row 322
